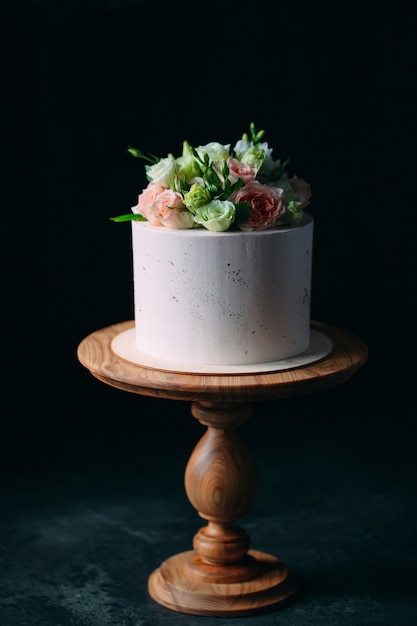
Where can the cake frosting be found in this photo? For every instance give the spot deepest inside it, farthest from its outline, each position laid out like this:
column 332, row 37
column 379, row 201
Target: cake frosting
column 228, row 298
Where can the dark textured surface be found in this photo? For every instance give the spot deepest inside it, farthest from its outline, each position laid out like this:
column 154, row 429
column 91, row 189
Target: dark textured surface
column 82, row 530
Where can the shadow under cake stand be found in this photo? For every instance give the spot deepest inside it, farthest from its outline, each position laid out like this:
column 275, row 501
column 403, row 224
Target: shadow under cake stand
column 222, row 575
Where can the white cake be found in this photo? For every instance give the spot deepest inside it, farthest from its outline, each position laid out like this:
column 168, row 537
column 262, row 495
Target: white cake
column 222, row 298
column 222, row 257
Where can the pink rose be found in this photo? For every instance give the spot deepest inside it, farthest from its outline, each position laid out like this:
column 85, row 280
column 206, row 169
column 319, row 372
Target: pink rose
column 302, row 190
column 145, row 202
column 266, row 202
column 165, row 201
column 237, row 169
column 178, row 218
column 169, row 209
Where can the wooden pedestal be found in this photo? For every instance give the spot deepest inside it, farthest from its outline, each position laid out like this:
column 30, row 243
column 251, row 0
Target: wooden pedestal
column 222, row 575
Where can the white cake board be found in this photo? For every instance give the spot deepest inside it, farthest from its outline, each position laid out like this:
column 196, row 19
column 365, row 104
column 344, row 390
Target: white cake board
column 124, row 346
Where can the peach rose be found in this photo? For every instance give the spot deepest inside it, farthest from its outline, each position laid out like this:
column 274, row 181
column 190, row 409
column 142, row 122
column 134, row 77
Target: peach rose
column 237, row 169
column 266, row 202
column 169, row 209
column 145, row 202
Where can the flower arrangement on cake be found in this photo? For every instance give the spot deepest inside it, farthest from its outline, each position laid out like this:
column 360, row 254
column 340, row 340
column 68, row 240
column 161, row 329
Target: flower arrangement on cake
column 220, row 188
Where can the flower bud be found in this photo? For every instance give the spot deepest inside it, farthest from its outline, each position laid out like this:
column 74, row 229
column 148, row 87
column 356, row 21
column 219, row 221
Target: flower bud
column 196, row 197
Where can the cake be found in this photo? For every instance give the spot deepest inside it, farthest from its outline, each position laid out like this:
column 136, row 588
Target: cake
column 222, row 256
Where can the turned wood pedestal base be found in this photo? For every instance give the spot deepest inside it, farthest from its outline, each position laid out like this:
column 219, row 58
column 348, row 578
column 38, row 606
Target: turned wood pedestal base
column 222, row 575
column 174, row 586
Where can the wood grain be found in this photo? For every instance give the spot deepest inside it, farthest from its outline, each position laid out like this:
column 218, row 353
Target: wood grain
column 173, row 587
column 221, row 480
column 221, row 576
column 349, row 353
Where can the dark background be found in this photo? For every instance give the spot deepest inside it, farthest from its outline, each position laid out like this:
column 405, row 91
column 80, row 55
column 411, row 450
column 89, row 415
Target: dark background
column 333, row 90
column 333, row 86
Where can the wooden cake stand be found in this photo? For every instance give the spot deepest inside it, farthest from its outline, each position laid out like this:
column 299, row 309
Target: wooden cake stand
column 222, row 575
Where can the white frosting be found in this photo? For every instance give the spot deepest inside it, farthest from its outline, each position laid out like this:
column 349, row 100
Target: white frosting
column 229, row 298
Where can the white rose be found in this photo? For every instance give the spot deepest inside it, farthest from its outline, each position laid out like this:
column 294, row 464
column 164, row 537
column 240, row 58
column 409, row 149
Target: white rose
column 163, row 172
column 216, row 151
column 217, row 215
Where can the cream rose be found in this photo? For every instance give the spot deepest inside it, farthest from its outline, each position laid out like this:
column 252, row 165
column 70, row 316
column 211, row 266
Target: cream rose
column 217, row 215
column 163, row 172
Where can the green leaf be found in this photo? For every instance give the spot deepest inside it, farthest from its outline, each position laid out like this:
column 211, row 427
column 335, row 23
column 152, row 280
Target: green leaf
column 129, row 218
column 238, row 184
column 243, row 210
